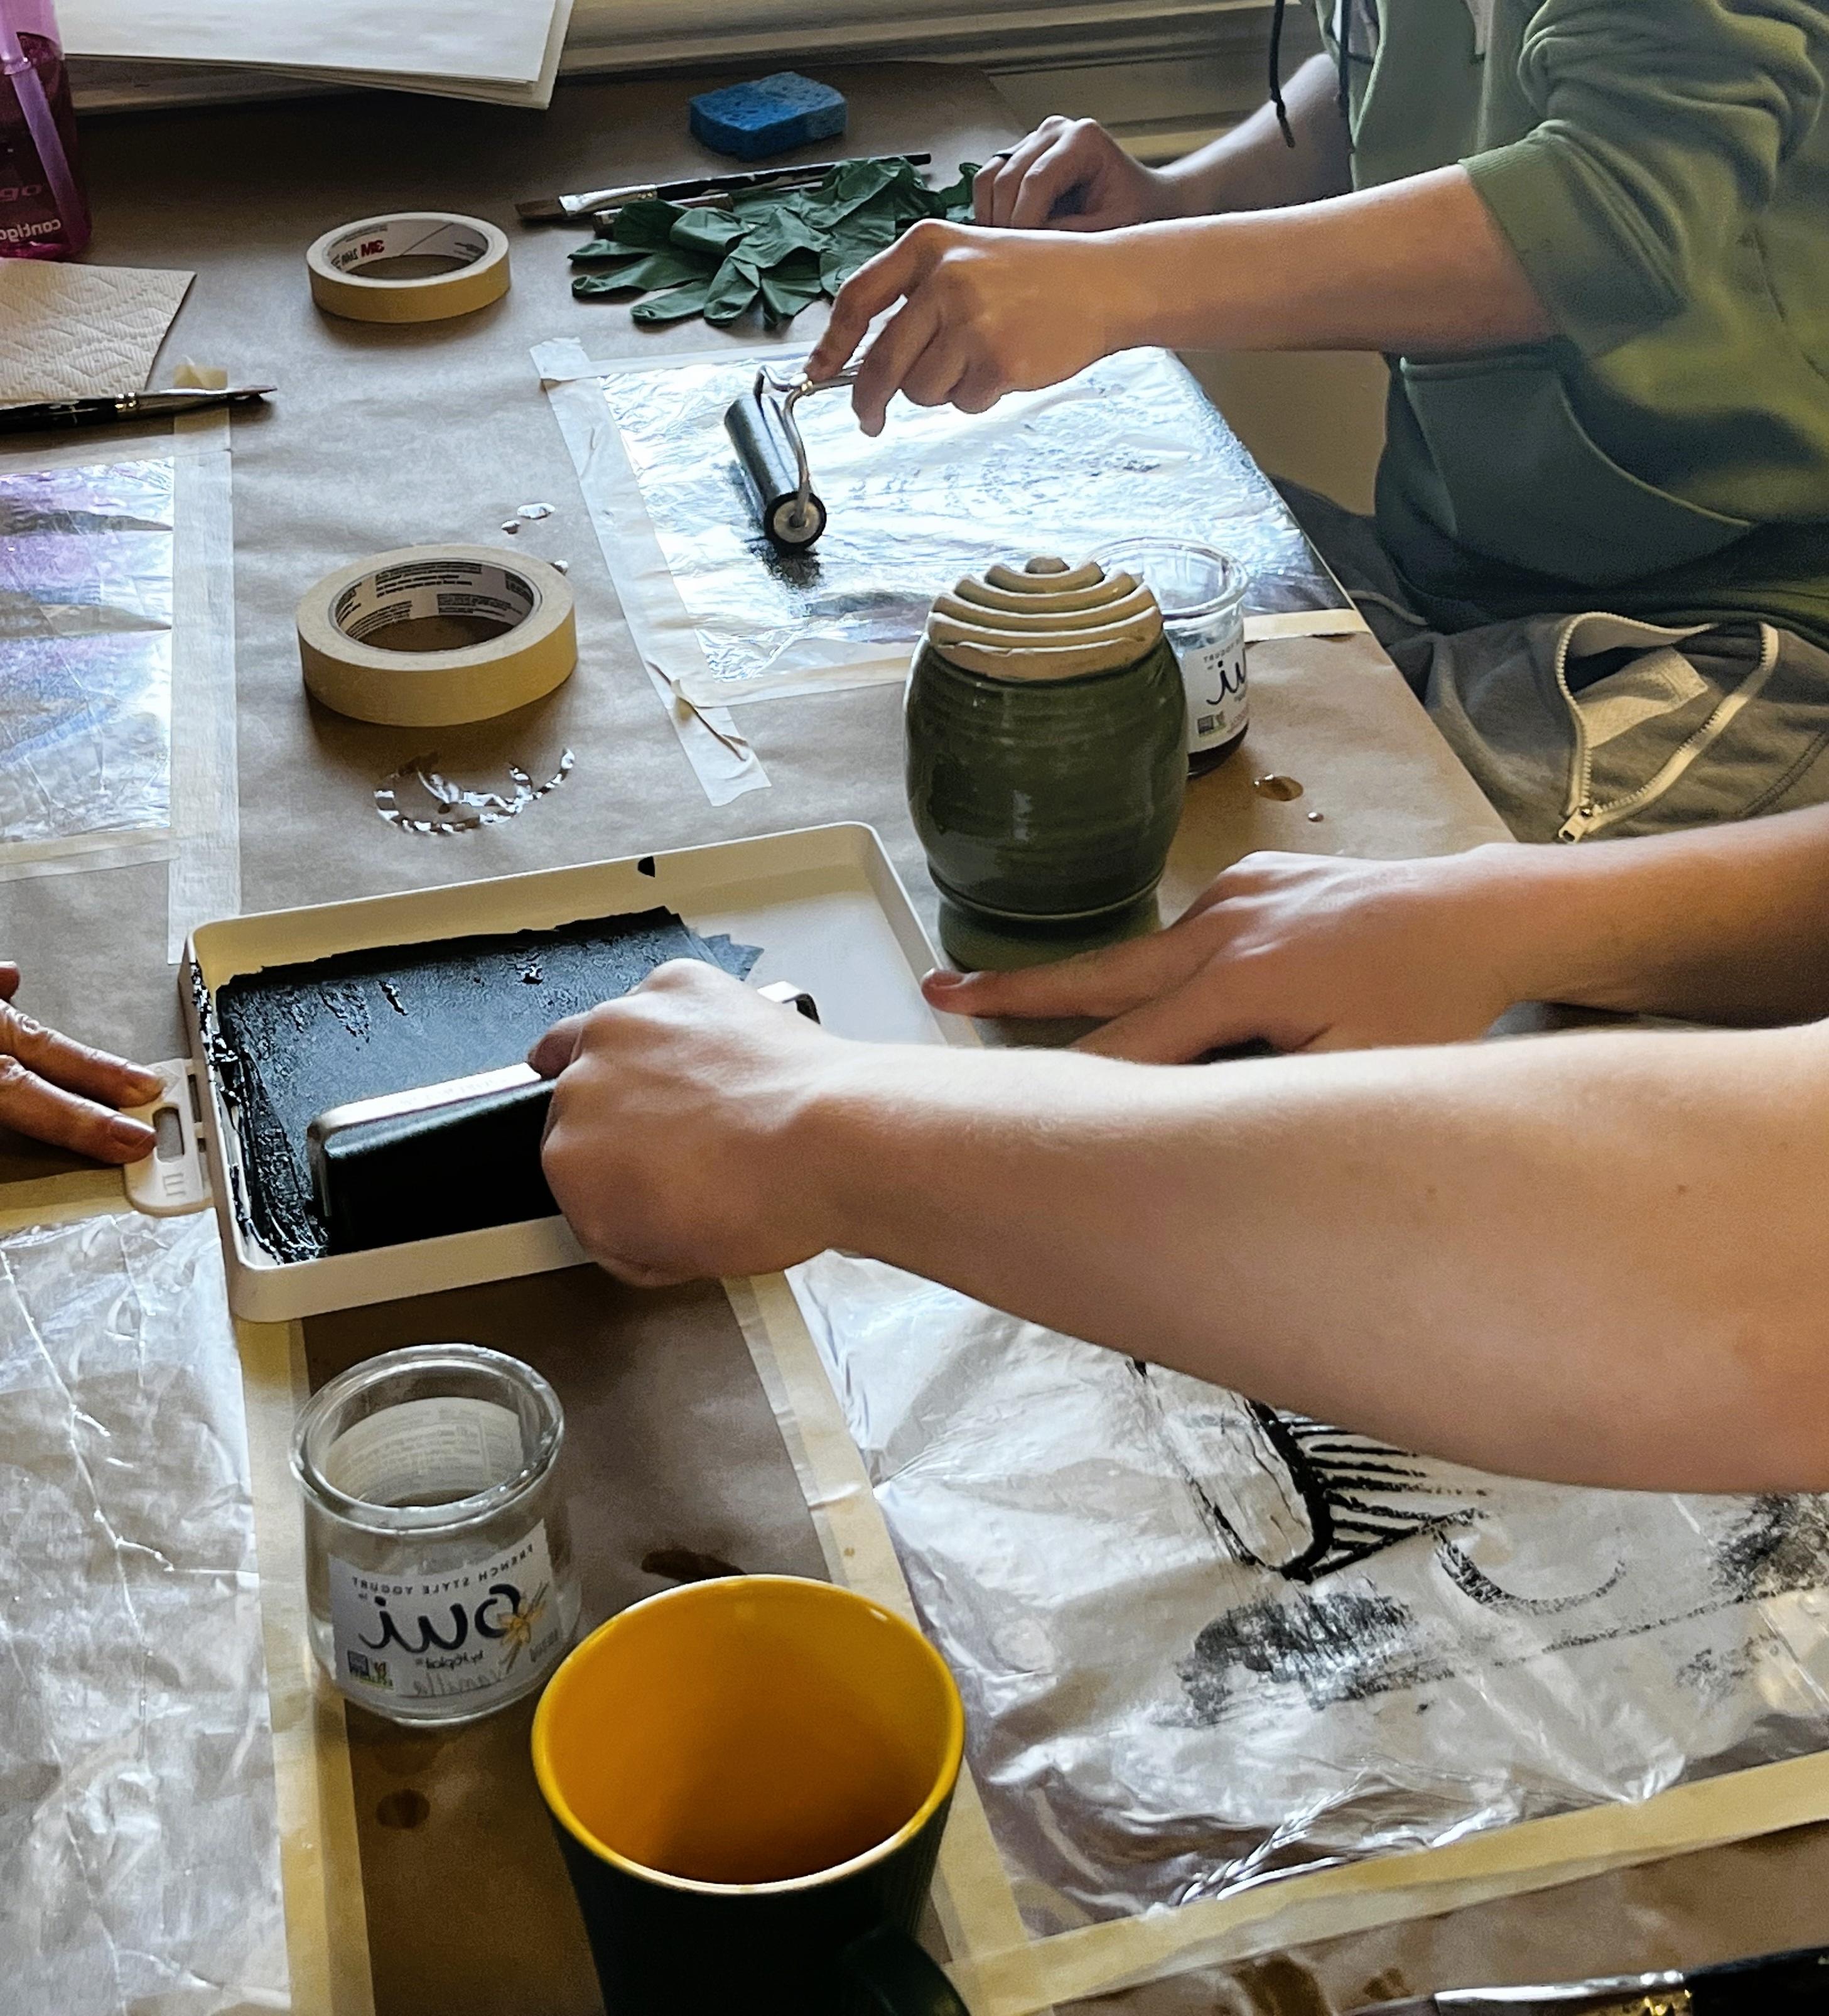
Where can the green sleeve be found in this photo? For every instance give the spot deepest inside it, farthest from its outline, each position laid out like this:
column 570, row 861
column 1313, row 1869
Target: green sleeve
column 1663, row 126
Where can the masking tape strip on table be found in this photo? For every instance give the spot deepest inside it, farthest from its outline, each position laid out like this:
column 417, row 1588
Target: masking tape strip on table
column 320, row 1860
column 973, row 1897
column 535, row 650
column 1001, row 1971
column 204, row 880
column 335, row 265
column 720, row 753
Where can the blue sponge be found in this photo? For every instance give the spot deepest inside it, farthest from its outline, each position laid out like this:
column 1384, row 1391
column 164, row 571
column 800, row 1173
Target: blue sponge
column 754, row 120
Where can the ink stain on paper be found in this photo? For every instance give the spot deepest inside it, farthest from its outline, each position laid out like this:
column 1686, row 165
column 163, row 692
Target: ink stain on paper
column 1280, row 1491
column 1781, row 1545
column 687, row 1564
column 290, row 1041
column 1473, row 1581
column 405, row 1809
column 418, row 798
column 1345, row 1645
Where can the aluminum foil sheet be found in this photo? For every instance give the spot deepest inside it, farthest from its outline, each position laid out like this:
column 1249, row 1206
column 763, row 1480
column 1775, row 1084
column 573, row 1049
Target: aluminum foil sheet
column 1202, row 1644
column 1130, row 445
column 139, row 1858
column 86, row 576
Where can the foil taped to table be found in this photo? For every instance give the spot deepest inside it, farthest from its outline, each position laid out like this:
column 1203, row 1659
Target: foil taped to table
column 1204, row 1645
column 1131, row 445
column 139, row 1853
column 86, row 599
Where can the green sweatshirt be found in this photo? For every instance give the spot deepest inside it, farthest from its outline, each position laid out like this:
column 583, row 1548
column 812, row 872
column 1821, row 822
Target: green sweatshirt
column 1661, row 169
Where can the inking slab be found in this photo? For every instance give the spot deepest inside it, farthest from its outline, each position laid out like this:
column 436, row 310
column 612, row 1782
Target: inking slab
column 823, row 901
column 295, row 1040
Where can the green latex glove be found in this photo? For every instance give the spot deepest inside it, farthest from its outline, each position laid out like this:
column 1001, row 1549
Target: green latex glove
column 774, row 250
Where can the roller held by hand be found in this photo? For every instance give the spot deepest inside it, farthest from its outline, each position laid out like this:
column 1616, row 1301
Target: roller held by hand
column 771, row 453
column 457, row 1157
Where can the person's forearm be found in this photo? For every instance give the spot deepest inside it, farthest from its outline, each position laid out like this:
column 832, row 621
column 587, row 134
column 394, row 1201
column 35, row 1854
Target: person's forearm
column 1254, row 168
column 1417, row 266
column 1598, row 1258
column 1725, row 924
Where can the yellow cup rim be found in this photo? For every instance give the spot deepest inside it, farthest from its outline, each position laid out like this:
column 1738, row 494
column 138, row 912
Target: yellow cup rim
column 560, row 1807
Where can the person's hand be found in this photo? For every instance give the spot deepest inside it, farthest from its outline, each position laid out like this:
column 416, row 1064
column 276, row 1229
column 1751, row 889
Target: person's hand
column 666, row 1146
column 1301, row 951
column 984, row 313
column 1070, row 175
column 65, row 1093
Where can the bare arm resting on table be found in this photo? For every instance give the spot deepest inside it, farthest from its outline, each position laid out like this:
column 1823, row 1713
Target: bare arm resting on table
column 1726, row 924
column 1598, row 1258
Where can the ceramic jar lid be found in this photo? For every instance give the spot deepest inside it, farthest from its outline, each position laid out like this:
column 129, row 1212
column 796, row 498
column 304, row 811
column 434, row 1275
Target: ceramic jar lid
column 1046, row 621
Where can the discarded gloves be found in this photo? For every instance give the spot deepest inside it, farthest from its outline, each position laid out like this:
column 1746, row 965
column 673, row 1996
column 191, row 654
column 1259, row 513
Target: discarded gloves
column 777, row 249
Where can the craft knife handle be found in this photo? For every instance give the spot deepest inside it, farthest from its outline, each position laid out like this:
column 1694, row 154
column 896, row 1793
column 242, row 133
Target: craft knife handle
column 131, row 406
column 595, row 202
column 1795, row 1983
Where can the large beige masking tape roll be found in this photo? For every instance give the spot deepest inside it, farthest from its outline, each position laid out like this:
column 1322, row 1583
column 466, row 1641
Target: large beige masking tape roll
column 335, row 264
column 363, row 634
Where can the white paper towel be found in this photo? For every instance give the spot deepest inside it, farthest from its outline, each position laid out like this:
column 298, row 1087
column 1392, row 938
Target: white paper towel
column 81, row 332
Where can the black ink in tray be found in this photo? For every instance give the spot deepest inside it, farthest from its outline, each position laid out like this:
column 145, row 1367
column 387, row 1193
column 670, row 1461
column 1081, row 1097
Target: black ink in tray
column 292, row 1040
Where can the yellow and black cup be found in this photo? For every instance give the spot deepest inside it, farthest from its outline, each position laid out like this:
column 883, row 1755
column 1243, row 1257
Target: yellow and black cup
column 749, row 1778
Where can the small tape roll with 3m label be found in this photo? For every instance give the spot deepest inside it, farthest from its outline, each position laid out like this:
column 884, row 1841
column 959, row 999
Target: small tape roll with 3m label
column 431, row 636
column 477, row 275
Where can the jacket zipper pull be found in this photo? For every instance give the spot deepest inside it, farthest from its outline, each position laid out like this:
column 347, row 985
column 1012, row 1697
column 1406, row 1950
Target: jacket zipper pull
column 1574, row 827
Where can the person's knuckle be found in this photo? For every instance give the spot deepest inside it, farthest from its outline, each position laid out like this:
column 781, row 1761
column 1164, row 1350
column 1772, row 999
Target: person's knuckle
column 14, row 1077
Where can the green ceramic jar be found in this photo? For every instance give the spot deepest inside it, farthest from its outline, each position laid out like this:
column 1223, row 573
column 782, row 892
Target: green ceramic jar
column 1045, row 765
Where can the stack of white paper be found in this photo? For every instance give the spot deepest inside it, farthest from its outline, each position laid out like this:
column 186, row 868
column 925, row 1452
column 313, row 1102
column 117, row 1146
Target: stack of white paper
column 505, row 51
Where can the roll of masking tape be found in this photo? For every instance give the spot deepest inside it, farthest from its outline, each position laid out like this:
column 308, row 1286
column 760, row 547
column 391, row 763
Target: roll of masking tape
column 431, row 636
column 476, row 276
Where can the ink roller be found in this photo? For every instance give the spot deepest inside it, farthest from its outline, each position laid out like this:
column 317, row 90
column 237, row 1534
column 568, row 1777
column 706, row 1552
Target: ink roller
column 457, row 1157
column 772, row 455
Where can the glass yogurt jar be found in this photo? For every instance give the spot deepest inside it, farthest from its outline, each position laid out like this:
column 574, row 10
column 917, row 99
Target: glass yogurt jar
column 1201, row 592
column 438, row 1561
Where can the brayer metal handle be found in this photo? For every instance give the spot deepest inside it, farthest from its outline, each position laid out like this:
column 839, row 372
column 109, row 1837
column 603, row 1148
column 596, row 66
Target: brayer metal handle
column 421, row 1099
column 791, row 995
column 790, row 387
column 424, row 1099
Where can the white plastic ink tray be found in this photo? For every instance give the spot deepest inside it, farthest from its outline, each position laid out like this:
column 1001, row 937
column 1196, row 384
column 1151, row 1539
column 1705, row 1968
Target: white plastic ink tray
column 823, row 904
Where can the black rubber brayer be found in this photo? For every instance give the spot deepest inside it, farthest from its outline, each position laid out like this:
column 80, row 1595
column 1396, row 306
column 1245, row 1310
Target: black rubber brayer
column 763, row 432
column 442, row 1158
column 457, row 1157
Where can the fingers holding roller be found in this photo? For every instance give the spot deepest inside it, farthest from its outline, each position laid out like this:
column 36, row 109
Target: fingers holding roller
column 895, row 272
column 558, row 1047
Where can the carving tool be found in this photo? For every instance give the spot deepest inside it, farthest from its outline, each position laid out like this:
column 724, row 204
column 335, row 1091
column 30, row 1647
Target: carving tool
column 444, row 1158
column 578, row 209
column 131, row 406
column 1785, row 1983
column 772, row 455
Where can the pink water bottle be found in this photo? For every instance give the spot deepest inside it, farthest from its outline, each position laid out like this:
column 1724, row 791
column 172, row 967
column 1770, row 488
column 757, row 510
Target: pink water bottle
column 43, row 213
